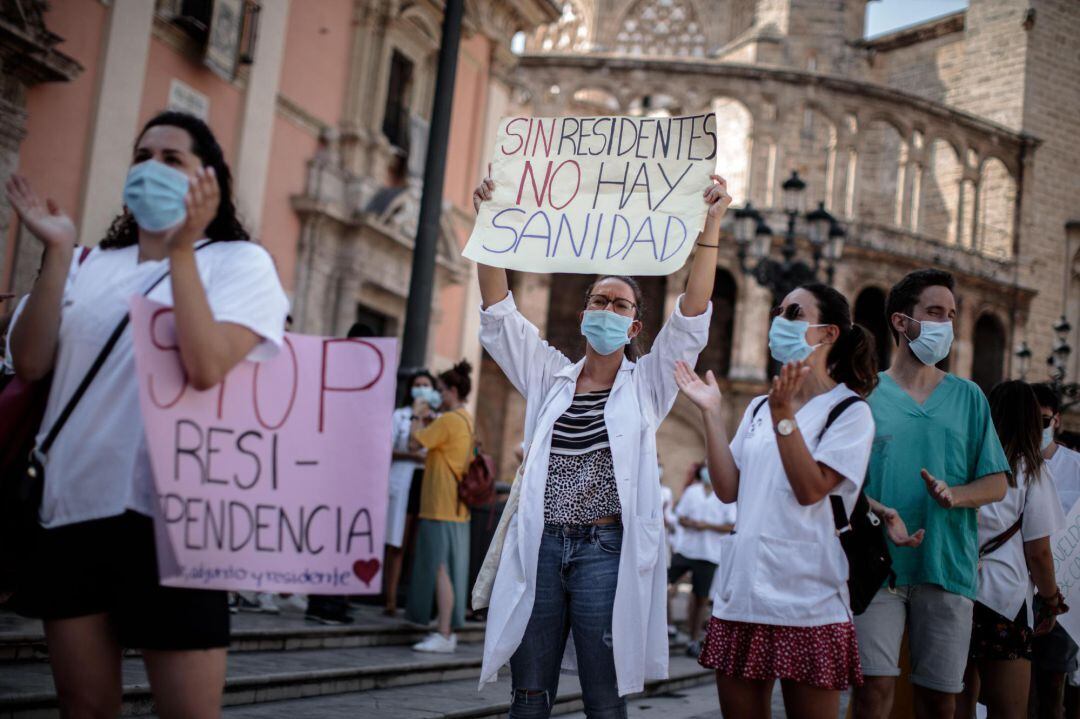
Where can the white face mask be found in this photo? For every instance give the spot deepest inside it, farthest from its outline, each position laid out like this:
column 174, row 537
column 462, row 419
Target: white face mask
column 934, row 341
column 1048, row 437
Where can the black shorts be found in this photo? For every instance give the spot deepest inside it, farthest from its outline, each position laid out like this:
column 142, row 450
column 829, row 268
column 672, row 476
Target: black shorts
column 109, row 566
column 996, row 638
column 701, row 573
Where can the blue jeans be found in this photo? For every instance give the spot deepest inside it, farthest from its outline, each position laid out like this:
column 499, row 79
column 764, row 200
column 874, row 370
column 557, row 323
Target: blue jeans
column 576, row 575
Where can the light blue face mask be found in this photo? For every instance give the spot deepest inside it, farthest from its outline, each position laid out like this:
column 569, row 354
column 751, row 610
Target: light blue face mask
column 1047, row 437
column 430, row 395
column 606, row 331
column 154, row 193
column 934, row 341
column 787, row 340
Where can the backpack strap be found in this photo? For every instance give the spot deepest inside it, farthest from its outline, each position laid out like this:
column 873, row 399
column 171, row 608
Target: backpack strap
column 835, row 412
column 758, row 406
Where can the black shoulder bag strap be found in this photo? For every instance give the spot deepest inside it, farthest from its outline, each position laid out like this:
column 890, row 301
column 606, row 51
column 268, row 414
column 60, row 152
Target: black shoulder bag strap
column 840, row 516
column 758, row 406
column 996, row 543
column 99, row 361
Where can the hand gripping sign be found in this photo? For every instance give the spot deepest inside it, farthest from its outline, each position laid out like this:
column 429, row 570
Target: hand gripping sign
column 276, row 479
column 620, row 195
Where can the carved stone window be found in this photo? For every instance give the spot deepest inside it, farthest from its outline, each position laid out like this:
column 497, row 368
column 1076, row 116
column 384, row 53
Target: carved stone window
column 661, row 27
column 570, row 33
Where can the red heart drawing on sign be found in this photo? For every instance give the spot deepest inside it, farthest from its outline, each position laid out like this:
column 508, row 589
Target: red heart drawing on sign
column 366, row 569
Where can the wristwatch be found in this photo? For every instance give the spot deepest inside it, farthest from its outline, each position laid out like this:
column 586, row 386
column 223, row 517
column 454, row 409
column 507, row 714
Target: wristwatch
column 785, row 427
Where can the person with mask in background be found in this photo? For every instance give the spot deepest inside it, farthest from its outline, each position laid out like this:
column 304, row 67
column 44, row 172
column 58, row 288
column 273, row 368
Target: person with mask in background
column 703, row 522
column 582, row 553
column 94, row 575
column 440, row 571
column 1014, row 552
column 936, row 459
column 419, row 399
column 1054, row 655
column 781, row 609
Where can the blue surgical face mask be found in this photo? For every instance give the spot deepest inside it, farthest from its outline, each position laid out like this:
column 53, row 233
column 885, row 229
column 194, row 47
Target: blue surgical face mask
column 787, row 340
column 430, row 395
column 1047, row 437
column 606, row 331
column 154, row 193
column 934, row 341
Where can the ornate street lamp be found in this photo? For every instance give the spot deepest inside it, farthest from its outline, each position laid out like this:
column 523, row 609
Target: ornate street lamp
column 1057, row 363
column 754, row 241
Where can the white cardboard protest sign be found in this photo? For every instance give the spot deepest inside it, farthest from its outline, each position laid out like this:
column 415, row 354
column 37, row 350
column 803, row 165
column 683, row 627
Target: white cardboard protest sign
column 619, row 195
column 1065, row 545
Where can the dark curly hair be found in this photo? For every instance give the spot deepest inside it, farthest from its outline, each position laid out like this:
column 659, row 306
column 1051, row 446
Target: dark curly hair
column 226, row 226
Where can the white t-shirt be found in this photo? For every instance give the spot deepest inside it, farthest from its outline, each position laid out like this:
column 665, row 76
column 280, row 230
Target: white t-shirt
column 785, row 565
column 1065, row 469
column 1004, row 584
column 667, row 504
column 99, row 466
column 700, row 503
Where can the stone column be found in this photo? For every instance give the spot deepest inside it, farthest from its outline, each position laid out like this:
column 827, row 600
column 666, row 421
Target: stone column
column 116, row 115
column 257, row 123
column 749, row 355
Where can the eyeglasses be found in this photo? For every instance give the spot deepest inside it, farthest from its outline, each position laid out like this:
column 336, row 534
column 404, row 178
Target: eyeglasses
column 791, row 312
column 601, row 302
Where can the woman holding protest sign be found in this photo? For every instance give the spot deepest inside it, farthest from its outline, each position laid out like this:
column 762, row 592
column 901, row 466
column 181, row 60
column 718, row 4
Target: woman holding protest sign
column 781, row 608
column 1014, row 553
column 582, row 553
column 95, row 578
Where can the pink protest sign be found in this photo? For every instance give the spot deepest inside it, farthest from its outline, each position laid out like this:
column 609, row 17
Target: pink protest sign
column 276, row 479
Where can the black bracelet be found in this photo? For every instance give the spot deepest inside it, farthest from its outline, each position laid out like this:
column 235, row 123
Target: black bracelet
column 713, row 247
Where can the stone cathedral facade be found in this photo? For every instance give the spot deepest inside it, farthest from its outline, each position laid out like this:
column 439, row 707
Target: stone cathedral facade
column 949, row 144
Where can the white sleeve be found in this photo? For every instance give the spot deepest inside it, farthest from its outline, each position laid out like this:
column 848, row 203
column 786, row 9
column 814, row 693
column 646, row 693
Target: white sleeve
column 1042, row 509
column 687, row 502
column 736, row 445
column 845, row 447
column 245, row 290
column 515, row 345
column 681, row 338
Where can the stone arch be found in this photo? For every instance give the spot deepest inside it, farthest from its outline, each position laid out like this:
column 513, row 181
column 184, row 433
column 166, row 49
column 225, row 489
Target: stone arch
column 989, row 344
column 996, row 205
column 717, row 353
column 815, row 156
column 877, row 190
column 869, row 311
column 594, row 101
column 666, row 28
column 734, row 128
column 939, row 204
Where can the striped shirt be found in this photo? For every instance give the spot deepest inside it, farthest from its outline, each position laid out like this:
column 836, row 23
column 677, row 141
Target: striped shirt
column 581, row 429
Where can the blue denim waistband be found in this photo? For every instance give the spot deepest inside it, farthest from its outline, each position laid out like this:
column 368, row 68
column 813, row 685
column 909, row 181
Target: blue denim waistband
column 581, row 530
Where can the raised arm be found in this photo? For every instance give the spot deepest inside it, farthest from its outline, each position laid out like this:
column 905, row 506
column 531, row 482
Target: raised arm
column 34, row 336
column 706, row 396
column 493, row 285
column 699, row 285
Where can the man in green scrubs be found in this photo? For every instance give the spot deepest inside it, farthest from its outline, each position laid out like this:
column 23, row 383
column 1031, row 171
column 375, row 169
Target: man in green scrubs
column 936, row 458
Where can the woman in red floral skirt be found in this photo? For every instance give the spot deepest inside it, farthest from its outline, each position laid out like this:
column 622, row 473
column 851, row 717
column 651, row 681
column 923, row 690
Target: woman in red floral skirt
column 781, row 609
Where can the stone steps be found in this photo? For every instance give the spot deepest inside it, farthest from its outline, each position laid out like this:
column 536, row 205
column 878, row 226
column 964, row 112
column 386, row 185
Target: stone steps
column 452, row 699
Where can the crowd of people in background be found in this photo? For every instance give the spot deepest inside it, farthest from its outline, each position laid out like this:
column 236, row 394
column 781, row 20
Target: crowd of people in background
column 968, row 489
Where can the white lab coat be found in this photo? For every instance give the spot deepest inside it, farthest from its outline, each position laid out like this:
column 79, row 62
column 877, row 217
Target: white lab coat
column 640, row 398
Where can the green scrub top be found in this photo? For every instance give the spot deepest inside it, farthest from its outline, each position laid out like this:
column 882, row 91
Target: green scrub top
column 952, row 436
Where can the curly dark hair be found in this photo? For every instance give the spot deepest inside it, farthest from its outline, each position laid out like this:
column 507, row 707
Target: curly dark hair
column 226, row 226
column 458, row 377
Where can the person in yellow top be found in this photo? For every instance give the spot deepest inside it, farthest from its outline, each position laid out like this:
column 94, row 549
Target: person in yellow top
column 441, row 564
